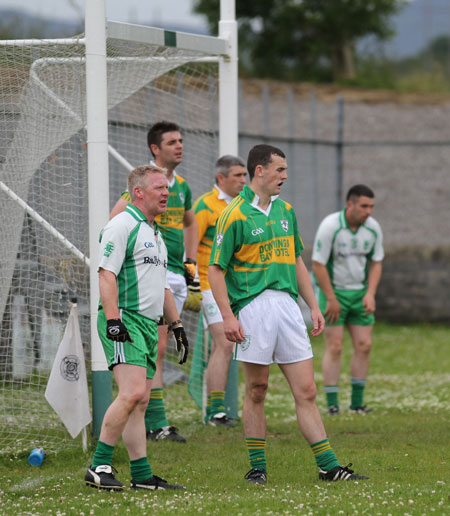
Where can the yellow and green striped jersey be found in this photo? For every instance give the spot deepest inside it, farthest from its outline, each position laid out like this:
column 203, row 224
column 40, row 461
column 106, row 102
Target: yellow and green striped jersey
column 170, row 223
column 207, row 210
column 256, row 250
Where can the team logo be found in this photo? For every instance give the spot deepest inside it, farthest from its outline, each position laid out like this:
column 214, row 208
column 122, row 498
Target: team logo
column 219, row 239
column 211, row 309
column 354, row 243
column 318, row 245
column 181, row 196
column 257, row 231
column 366, row 245
column 70, row 368
column 245, row 344
column 109, row 248
column 285, row 225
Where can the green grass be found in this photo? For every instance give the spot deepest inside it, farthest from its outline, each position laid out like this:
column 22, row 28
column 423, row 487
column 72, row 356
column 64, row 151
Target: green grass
column 404, row 445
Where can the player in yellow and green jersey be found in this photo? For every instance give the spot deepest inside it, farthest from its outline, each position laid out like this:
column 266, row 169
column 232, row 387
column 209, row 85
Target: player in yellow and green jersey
column 256, row 273
column 180, row 232
column 230, row 175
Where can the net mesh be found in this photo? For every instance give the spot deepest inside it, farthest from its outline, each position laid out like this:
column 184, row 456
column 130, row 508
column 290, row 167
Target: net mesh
column 43, row 162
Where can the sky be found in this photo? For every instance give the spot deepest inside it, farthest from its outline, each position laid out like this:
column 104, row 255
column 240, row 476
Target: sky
column 157, row 12
column 421, row 21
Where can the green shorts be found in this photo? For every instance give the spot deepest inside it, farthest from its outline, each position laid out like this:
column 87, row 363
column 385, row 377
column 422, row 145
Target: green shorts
column 352, row 310
column 144, row 348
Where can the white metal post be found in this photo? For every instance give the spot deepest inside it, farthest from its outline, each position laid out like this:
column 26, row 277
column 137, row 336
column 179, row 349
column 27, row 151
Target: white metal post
column 228, row 81
column 228, row 140
column 98, row 184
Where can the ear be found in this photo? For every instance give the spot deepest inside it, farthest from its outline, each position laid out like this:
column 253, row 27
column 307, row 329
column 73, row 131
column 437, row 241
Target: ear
column 154, row 149
column 258, row 170
column 138, row 192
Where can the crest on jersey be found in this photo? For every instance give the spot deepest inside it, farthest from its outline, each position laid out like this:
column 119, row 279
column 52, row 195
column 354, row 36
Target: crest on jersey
column 285, row 225
column 219, row 239
column 181, row 196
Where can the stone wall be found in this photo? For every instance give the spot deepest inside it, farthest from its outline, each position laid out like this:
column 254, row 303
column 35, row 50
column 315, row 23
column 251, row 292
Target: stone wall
column 415, row 285
column 399, row 145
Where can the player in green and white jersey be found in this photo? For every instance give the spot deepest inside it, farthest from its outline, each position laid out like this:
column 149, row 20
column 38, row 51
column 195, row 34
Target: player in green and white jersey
column 134, row 294
column 256, row 273
column 347, row 256
column 180, row 232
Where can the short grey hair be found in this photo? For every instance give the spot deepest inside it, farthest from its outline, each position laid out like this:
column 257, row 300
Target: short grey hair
column 224, row 164
column 138, row 177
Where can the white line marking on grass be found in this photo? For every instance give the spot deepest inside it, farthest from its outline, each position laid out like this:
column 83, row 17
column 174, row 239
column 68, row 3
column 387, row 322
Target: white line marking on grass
column 32, row 483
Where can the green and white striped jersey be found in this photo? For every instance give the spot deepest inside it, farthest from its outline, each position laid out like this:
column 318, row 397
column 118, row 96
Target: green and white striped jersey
column 347, row 253
column 135, row 252
column 171, row 221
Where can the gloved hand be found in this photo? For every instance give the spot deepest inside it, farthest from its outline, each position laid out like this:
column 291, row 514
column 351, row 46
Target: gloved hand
column 116, row 330
column 194, row 298
column 190, row 270
column 182, row 344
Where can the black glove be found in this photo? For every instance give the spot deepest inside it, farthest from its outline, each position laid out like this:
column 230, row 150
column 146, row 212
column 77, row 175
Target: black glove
column 189, row 271
column 116, row 330
column 182, row 344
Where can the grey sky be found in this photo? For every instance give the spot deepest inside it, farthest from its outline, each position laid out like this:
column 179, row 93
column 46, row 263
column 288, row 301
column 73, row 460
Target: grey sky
column 137, row 11
column 421, row 21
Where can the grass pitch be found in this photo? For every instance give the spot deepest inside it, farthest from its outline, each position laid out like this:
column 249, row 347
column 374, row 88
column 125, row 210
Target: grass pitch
column 403, row 445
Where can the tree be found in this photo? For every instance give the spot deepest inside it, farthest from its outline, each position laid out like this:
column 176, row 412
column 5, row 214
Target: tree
column 304, row 39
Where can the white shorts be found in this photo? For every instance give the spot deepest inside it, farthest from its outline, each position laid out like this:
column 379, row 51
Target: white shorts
column 211, row 312
column 274, row 329
column 178, row 287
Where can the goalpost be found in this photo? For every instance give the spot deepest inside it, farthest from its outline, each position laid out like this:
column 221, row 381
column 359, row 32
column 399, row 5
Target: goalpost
column 73, row 120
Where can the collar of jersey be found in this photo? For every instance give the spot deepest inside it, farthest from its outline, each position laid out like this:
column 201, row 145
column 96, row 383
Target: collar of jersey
column 138, row 215
column 344, row 221
column 249, row 195
column 223, row 196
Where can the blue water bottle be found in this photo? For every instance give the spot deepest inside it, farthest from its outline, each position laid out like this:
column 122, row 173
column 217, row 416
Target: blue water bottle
column 36, row 457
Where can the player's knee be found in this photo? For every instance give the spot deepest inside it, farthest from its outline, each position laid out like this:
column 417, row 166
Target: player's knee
column 364, row 346
column 335, row 348
column 308, row 391
column 134, row 397
column 258, row 392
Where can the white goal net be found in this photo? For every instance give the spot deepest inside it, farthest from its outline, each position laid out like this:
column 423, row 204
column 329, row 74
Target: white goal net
column 44, row 197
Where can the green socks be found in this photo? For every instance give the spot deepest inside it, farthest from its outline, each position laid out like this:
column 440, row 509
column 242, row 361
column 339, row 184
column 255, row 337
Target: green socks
column 208, row 408
column 357, row 393
column 140, row 469
column 103, row 454
column 324, row 455
column 155, row 414
column 331, row 392
column 217, row 402
column 256, row 452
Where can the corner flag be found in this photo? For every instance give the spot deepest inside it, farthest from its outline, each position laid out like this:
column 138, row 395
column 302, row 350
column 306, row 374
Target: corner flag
column 67, row 389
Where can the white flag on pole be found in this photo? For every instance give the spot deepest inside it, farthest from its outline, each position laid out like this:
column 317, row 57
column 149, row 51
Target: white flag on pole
column 67, row 388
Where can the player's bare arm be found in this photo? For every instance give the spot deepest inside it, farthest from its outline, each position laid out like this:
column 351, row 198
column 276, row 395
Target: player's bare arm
column 169, row 308
column 232, row 327
column 375, row 269
column 306, row 291
column 109, row 294
column 333, row 308
column 119, row 207
column 190, row 229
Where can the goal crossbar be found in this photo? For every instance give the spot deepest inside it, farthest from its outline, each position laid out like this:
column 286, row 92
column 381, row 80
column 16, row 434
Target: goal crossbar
column 167, row 38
